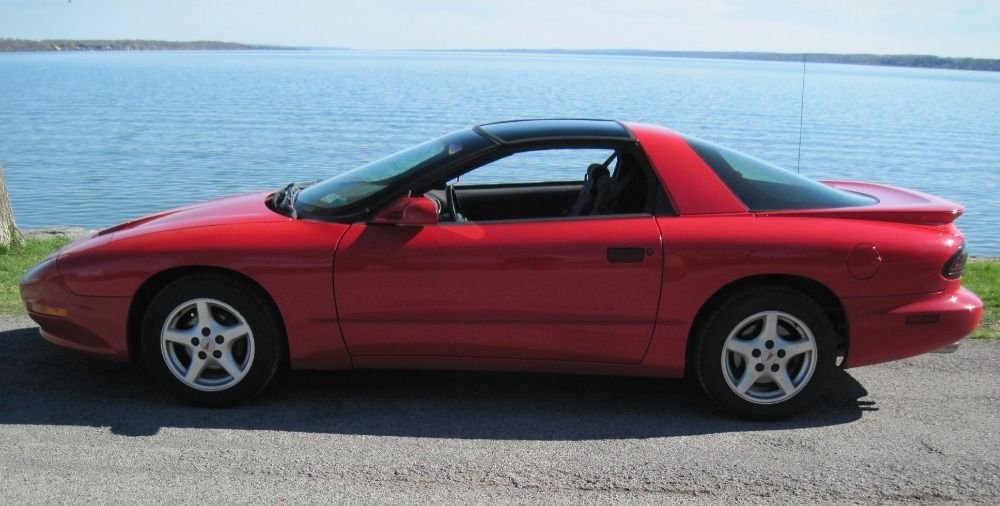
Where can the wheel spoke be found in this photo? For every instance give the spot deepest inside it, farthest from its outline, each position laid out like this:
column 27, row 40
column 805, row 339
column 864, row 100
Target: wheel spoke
column 204, row 314
column 177, row 336
column 750, row 377
column 228, row 362
column 770, row 330
column 783, row 381
column 743, row 348
column 795, row 348
column 195, row 369
column 238, row 331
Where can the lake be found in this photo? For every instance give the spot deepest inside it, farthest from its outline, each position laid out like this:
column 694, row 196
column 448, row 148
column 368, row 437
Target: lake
column 92, row 139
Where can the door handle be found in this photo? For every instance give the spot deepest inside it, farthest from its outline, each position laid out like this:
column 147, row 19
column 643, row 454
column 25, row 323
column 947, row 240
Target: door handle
column 626, row 255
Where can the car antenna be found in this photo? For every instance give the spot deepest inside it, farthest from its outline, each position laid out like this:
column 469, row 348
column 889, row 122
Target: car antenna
column 802, row 108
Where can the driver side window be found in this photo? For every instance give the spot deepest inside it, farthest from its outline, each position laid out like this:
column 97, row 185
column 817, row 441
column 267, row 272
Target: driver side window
column 549, row 165
column 549, row 183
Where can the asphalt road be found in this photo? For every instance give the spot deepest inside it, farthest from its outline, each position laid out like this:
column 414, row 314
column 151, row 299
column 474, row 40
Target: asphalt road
column 75, row 429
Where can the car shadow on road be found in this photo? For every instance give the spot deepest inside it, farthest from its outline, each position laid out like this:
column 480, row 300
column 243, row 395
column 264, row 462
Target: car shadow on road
column 44, row 385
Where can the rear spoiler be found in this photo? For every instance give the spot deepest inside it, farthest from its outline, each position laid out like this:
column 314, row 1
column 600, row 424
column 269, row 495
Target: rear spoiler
column 894, row 204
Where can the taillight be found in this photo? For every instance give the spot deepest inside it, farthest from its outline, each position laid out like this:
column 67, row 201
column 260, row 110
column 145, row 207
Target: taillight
column 954, row 266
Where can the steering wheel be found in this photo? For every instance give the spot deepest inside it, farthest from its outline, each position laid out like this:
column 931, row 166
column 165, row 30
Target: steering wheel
column 452, row 202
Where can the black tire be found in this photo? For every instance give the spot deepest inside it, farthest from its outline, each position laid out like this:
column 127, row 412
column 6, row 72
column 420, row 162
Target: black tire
column 231, row 304
column 717, row 360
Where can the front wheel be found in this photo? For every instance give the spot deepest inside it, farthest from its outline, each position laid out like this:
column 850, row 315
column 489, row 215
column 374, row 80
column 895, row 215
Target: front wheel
column 765, row 353
column 211, row 340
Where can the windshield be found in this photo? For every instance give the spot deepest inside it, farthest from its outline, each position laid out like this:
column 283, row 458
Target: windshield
column 354, row 186
column 765, row 187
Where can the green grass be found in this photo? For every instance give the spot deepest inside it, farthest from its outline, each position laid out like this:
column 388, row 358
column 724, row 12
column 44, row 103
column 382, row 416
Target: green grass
column 982, row 277
column 14, row 262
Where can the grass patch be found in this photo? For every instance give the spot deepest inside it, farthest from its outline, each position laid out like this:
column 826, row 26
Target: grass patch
column 982, row 277
column 15, row 261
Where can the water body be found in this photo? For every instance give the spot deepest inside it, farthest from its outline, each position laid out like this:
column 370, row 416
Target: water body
column 92, row 139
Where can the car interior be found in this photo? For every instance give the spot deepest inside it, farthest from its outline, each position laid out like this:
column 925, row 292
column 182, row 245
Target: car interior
column 619, row 184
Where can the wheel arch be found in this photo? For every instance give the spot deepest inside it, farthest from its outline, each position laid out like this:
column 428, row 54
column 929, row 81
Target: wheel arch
column 155, row 283
column 818, row 292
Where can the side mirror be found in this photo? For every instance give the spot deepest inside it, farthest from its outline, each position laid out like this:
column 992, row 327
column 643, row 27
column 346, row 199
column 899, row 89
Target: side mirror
column 415, row 211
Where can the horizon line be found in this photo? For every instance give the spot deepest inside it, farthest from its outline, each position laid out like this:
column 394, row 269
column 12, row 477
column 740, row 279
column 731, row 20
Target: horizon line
column 591, row 50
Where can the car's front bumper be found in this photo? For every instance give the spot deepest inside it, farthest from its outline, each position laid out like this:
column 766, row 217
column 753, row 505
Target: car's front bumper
column 93, row 325
column 891, row 328
column 951, row 348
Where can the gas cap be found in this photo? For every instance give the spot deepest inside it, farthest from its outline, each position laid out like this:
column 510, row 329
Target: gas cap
column 864, row 261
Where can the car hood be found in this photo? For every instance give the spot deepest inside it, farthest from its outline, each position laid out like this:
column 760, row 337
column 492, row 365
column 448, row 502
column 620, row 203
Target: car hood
column 241, row 209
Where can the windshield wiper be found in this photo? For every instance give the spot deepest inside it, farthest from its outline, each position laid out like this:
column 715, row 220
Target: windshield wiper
column 284, row 199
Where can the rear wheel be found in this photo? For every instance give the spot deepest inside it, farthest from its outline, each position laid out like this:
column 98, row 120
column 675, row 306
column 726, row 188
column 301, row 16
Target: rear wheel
column 765, row 353
column 211, row 340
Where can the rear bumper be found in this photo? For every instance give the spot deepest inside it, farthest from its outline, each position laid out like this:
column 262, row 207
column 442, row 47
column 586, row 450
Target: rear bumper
column 892, row 328
column 92, row 325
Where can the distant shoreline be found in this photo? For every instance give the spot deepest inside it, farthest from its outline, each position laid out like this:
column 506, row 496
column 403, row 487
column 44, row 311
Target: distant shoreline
column 880, row 60
column 22, row 45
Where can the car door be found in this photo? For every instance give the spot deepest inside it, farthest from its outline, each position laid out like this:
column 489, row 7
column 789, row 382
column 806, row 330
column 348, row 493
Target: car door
column 580, row 289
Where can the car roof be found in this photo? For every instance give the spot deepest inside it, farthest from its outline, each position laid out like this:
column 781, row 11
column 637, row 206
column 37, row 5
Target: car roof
column 568, row 129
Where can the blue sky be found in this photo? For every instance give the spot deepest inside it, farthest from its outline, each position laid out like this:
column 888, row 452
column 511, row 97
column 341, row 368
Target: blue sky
column 941, row 27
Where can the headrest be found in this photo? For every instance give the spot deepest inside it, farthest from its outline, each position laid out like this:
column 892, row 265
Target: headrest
column 596, row 170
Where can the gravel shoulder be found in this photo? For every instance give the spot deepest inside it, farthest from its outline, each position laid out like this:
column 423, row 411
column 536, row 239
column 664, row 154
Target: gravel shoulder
column 75, row 429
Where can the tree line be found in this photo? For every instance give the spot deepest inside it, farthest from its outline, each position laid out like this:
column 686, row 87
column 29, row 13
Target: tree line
column 888, row 60
column 120, row 45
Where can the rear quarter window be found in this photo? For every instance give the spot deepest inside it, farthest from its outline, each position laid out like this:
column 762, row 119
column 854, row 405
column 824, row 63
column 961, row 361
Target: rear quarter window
column 765, row 187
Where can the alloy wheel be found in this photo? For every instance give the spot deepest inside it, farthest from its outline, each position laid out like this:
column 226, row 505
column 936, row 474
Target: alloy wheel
column 207, row 344
column 769, row 357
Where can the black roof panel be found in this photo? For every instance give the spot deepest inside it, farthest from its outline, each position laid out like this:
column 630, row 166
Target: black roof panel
column 543, row 129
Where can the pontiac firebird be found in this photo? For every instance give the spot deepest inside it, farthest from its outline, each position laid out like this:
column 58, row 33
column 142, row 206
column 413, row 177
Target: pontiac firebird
column 643, row 252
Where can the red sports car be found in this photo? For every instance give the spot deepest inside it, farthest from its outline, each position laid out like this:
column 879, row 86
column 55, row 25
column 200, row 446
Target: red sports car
column 643, row 252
